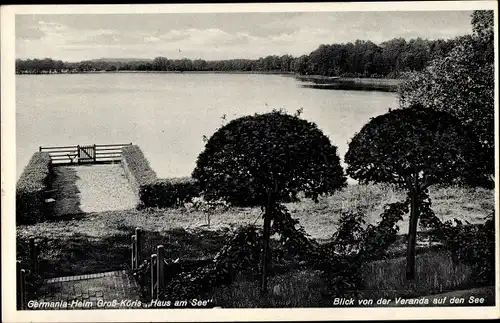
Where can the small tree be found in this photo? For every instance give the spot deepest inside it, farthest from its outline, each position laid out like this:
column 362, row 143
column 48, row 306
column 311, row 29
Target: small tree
column 272, row 157
column 413, row 148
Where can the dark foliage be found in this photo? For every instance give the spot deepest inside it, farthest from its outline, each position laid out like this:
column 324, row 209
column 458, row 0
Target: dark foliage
column 462, row 83
column 353, row 245
column 240, row 253
column 168, row 192
column 473, row 244
column 294, row 237
column 253, row 155
column 30, row 189
column 376, row 239
column 484, row 31
column 413, row 148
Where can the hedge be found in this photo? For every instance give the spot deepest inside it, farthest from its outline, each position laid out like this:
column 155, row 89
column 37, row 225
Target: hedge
column 137, row 168
column 151, row 191
column 30, row 189
column 169, row 192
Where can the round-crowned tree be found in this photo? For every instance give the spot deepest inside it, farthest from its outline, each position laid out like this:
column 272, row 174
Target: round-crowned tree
column 270, row 157
column 414, row 148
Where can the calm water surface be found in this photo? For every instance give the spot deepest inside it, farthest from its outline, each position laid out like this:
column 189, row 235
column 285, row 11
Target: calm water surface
column 168, row 114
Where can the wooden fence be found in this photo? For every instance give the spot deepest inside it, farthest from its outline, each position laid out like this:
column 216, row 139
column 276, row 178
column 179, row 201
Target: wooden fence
column 32, row 272
column 158, row 263
column 85, row 154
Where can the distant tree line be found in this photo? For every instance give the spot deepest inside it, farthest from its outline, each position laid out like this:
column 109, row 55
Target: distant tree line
column 365, row 59
column 390, row 59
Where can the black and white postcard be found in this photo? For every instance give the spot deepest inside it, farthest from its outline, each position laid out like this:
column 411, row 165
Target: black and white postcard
column 221, row 162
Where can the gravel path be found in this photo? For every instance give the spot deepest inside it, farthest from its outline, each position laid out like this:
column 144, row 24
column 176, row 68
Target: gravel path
column 92, row 188
column 104, row 188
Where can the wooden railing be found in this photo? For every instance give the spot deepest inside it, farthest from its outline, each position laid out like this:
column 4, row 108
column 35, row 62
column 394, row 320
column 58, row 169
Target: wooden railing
column 22, row 274
column 81, row 154
column 21, row 286
column 158, row 263
column 136, row 247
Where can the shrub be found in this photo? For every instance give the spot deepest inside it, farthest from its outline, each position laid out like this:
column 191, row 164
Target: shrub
column 473, row 245
column 240, row 253
column 168, row 192
column 200, row 204
column 190, row 279
column 137, row 168
column 208, row 207
column 30, row 189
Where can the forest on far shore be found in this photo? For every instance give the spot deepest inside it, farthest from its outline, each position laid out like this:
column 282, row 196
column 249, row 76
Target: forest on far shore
column 390, row 59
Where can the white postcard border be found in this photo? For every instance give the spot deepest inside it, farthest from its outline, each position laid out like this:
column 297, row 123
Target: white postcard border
column 8, row 153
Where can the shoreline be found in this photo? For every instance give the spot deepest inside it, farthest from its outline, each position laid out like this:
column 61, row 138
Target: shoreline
column 166, row 72
column 321, row 79
column 307, row 81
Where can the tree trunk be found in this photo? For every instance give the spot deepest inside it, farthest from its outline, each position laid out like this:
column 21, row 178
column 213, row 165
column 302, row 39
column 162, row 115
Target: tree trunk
column 412, row 237
column 266, row 250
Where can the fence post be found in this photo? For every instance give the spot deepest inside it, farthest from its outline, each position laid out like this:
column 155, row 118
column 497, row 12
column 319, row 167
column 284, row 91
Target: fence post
column 23, row 289
column 133, row 252
column 153, row 276
column 19, row 293
column 78, row 153
column 95, row 154
column 137, row 247
column 160, row 265
column 21, row 286
column 33, row 256
column 40, row 148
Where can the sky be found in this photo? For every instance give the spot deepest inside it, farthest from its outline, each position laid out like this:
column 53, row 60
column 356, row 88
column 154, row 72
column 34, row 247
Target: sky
column 210, row 36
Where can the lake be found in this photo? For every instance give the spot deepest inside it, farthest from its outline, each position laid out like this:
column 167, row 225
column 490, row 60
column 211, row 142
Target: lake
column 167, row 114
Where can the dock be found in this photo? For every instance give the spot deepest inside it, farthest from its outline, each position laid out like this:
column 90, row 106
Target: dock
column 85, row 154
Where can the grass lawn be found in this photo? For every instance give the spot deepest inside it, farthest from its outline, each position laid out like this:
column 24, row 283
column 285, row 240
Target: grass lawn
column 319, row 219
column 96, row 242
